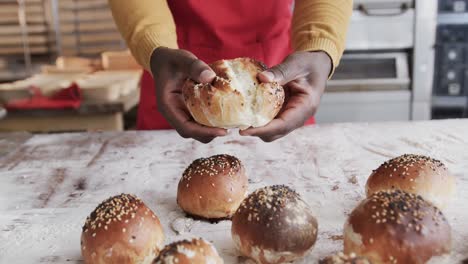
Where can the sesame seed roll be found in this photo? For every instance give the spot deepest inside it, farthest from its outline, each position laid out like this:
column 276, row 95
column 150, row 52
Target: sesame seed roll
column 414, row 174
column 274, row 225
column 195, row 251
column 122, row 229
column 397, row 227
column 212, row 188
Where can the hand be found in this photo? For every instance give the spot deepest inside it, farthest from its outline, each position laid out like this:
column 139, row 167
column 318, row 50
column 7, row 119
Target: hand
column 304, row 76
column 170, row 68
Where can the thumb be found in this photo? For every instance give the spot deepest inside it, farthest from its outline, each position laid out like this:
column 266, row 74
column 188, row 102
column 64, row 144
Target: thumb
column 197, row 70
column 283, row 73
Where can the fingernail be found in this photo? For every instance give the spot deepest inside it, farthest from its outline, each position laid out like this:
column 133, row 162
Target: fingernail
column 207, row 75
column 221, row 133
column 269, row 75
column 244, row 133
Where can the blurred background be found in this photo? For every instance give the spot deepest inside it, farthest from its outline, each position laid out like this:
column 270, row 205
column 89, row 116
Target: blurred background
column 64, row 66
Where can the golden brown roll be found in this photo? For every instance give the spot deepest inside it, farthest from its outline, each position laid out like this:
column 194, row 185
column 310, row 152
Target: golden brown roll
column 122, row 229
column 341, row 258
column 196, row 251
column 212, row 188
column 235, row 99
column 274, row 225
column 397, row 227
column 414, row 174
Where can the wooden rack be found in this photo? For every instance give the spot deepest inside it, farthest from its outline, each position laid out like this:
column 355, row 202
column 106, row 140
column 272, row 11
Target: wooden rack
column 34, row 32
column 85, row 28
column 25, row 38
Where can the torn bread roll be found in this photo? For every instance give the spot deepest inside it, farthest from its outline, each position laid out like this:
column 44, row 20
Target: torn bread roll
column 212, row 188
column 274, row 225
column 397, row 227
column 416, row 174
column 235, row 98
column 122, row 229
column 195, row 251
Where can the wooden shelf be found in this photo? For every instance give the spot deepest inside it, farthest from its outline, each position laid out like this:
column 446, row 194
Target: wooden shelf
column 9, row 30
column 87, row 28
column 103, row 26
column 9, row 9
column 20, row 50
column 82, row 4
column 33, row 40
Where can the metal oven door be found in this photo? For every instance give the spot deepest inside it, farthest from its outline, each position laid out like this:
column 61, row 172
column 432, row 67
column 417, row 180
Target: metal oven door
column 381, row 24
column 368, row 87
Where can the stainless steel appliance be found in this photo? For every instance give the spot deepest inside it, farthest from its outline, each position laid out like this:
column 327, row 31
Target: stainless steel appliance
column 386, row 72
column 450, row 91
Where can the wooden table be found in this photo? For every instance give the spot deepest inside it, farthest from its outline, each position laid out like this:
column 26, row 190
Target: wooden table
column 90, row 116
column 50, row 183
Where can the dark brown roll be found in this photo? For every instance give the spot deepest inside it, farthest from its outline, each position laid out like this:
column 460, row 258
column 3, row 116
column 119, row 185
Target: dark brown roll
column 414, row 174
column 341, row 258
column 195, row 251
column 397, row 227
column 235, row 99
column 274, row 225
column 212, row 188
column 122, row 229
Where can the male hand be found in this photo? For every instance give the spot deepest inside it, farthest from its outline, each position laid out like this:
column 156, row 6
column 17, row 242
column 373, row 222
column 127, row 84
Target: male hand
column 170, row 68
column 303, row 76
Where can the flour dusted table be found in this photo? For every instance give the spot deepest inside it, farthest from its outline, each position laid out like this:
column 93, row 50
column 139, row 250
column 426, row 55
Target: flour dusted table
column 50, row 183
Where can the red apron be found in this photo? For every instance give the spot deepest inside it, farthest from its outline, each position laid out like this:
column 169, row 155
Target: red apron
column 223, row 29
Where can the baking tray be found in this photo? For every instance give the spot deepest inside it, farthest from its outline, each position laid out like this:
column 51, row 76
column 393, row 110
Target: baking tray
column 109, row 86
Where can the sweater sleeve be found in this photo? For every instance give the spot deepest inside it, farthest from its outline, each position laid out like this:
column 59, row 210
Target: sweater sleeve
column 321, row 25
column 145, row 25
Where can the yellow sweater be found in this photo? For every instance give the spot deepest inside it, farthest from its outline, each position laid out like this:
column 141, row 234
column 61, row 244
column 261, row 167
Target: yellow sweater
column 318, row 25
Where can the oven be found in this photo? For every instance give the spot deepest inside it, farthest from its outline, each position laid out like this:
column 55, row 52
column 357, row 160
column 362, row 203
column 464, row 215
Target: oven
column 376, row 78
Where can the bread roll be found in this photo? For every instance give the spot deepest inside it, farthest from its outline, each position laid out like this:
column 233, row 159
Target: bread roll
column 212, row 188
column 274, row 225
column 341, row 258
column 64, row 63
column 397, row 227
column 235, row 99
column 414, row 174
column 121, row 230
column 196, row 251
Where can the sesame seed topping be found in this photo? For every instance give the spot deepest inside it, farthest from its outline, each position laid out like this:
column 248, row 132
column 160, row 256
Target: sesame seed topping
column 399, row 208
column 115, row 209
column 265, row 204
column 169, row 253
column 401, row 165
column 212, row 166
column 341, row 258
